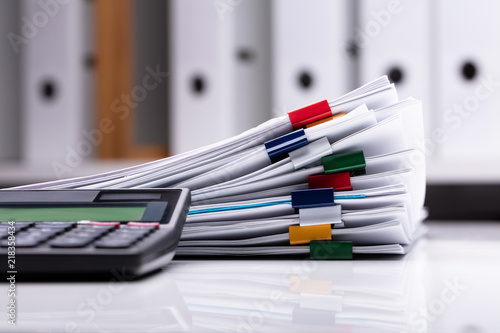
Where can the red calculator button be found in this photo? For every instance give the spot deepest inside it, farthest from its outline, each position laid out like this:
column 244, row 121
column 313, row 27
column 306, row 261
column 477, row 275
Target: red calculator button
column 116, row 224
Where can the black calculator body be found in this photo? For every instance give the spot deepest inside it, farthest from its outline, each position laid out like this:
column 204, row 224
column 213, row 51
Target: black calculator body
column 83, row 233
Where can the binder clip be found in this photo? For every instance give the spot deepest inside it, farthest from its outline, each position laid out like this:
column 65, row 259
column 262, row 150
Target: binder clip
column 303, row 235
column 321, row 250
column 312, row 198
column 340, row 181
column 309, row 114
column 354, row 162
column 278, row 148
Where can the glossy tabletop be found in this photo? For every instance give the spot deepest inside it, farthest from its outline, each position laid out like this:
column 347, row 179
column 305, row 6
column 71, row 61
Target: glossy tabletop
column 449, row 282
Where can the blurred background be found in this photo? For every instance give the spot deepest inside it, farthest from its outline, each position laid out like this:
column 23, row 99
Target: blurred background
column 88, row 86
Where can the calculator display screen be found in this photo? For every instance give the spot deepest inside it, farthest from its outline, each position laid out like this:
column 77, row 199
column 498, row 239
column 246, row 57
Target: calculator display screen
column 107, row 213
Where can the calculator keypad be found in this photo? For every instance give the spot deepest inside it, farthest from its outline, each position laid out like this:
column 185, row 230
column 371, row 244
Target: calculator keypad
column 76, row 235
column 125, row 237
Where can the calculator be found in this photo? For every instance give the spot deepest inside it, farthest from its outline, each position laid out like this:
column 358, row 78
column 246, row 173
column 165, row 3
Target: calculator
column 80, row 233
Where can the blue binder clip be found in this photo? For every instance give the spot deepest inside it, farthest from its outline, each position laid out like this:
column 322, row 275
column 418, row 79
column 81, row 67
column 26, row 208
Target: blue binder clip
column 313, row 198
column 279, row 148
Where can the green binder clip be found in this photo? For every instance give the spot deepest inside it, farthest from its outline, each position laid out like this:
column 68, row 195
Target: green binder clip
column 354, row 162
column 330, row 250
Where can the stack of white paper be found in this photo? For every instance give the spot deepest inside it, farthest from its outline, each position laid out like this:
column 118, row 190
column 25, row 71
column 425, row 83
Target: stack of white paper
column 245, row 189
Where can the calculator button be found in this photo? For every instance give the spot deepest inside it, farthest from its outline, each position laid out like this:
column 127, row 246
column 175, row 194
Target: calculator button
column 89, row 233
column 156, row 225
column 83, row 234
column 3, row 233
column 114, row 243
column 29, row 239
column 46, row 231
column 69, row 242
column 63, row 225
column 41, row 235
column 26, row 242
column 18, row 225
column 24, row 224
column 115, row 224
column 132, row 235
column 53, row 227
column 104, row 228
column 123, row 236
column 134, row 229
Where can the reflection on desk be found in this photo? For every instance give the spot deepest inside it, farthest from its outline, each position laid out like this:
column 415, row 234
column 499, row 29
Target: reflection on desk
column 297, row 296
column 118, row 305
column 447, row 283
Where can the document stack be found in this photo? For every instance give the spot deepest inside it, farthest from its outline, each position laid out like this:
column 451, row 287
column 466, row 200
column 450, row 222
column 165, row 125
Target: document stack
column 330, row 180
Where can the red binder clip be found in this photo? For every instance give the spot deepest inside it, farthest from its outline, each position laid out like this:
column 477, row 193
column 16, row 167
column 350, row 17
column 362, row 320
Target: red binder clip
column 308, row 114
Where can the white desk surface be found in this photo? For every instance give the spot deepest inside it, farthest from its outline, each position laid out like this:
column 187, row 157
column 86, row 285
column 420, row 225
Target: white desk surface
column 450, row 282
